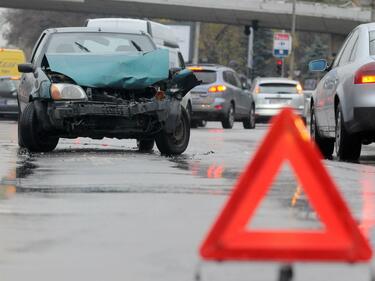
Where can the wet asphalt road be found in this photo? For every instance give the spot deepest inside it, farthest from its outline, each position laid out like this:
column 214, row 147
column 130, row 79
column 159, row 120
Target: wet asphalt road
column 99, row 210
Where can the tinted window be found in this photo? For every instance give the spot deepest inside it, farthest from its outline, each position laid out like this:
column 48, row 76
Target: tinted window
column 277, row 88
column 353, row 55
column 348, row 49
column 38, row 48
column 206, row 76
column 98, row 43
column 339, row 54
column 372, row 43
column 230, row 78
column 237, row 80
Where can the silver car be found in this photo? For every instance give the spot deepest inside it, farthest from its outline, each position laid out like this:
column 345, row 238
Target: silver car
column 221, row 97
column 343, row 105
column 272, row 94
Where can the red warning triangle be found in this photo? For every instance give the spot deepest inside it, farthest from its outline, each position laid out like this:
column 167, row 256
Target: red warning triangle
column 341, row 240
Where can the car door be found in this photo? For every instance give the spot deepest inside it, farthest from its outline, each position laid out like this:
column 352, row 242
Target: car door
column 244, row 97
column 235, row 88
column 326, row 87
column 343, row 76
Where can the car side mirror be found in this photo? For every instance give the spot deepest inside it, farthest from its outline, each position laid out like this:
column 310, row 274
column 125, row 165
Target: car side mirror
column 26, row 68
column 318, row 65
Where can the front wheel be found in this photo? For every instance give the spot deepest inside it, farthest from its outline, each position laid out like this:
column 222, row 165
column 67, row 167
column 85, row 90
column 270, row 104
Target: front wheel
column 31, row 134
column 348, row 146
column 325, row 145
column 175, row 143
column 145, row 145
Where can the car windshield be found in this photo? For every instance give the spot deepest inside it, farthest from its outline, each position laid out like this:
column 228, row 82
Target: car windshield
column 206, row 76
column 278, row 88
column 98, row 43
column 7, row 86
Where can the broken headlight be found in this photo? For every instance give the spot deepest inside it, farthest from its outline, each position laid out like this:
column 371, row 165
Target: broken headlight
column 64, row 91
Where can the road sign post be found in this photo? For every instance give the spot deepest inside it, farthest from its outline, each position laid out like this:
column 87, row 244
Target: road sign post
column 282, row 46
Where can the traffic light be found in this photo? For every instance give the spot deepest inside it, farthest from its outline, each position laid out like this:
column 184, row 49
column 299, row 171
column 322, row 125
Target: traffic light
column 279, row 67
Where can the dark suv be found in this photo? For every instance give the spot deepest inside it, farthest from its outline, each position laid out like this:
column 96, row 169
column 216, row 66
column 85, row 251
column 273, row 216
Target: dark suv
column 97, row 82
column 221, row 97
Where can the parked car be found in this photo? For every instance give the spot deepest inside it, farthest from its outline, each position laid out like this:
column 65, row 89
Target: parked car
column 343, row 105
column 272, row 94
column 221, row 97
column 8, row 96
column 162, row 35
column 102, row 82
column 308, row 90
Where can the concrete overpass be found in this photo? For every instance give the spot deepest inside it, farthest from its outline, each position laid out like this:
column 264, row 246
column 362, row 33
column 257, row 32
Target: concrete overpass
column 268, row 13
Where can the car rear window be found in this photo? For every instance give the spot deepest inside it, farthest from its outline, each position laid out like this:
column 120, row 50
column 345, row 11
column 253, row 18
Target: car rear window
column 206, row 76
column 372, row 43
column 278, row 88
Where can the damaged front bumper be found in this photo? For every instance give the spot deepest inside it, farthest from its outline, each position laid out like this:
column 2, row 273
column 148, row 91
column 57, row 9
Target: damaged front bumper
column 62, row 110
column 103, row 119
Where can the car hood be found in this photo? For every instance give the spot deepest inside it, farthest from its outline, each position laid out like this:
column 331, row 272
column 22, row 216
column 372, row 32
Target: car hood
column 118, row 71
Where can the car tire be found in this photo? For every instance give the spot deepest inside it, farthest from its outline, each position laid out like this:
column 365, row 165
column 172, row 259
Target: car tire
column 202, row 123
column 347, row 146
column 177, row 142
column 194, row 124
column 20, row 141
column 31, row 135
column 145, row 145
column 228, row 120
column 249, row 122
column 325, row 145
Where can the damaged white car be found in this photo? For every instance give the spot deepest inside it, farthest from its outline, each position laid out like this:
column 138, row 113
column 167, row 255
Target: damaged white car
column 95, row 82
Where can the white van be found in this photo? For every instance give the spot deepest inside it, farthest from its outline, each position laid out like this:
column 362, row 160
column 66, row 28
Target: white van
column 162, row 35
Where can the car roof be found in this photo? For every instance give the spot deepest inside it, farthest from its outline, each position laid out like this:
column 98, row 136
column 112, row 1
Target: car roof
column 276, row 80
column 92, row 29
column 370, row 26
column 209, row 66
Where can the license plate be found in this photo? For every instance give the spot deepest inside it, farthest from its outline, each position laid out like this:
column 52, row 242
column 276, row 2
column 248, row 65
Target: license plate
column 279, row 101
column 11, row 102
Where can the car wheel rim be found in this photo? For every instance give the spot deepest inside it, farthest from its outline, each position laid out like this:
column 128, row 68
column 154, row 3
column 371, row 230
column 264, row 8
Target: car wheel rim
column 312, row 125
column 252, row 116
column 338, row 133
column 231, row 116
column 179, row 133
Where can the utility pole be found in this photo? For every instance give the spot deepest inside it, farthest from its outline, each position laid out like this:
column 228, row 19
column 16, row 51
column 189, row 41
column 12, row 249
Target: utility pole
column 197, row 31
column 291, row 65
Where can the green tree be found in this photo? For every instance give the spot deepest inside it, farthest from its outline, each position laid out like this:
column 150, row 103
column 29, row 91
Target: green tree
column 25, row 26
column 264, row 64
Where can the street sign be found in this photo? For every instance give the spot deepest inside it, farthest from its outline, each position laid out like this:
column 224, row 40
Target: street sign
column 339, row 240
column 282, row 45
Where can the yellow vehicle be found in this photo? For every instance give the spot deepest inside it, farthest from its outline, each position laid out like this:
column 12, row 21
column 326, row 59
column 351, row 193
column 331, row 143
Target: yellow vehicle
column 9, row 61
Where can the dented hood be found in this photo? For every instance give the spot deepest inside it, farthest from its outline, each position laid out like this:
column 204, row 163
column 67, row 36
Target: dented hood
column 119, row 71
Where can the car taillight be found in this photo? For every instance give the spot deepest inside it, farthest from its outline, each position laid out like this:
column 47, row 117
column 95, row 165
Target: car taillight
column 366, row 74
column 257, row 89
column 217, row 88
column 299, row 88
